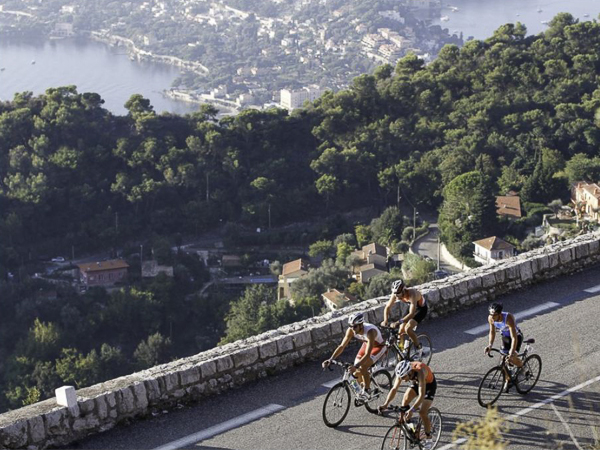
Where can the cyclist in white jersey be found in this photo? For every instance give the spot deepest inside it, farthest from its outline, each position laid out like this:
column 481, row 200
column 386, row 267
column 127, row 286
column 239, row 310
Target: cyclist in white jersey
column 512, row 337
column 370, row 352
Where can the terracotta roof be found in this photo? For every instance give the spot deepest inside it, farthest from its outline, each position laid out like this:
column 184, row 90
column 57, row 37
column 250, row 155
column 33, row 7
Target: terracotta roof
column 373, row 266
column 99, row 266
column 494, row 243
column 338, row 298
column 509, row 205
column 293, row 266
column 374, row 248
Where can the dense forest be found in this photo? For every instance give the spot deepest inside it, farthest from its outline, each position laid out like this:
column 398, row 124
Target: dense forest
column 513, row 112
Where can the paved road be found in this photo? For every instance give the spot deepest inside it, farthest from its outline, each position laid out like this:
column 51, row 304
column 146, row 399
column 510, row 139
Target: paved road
column 565, row 327
column 428, row 246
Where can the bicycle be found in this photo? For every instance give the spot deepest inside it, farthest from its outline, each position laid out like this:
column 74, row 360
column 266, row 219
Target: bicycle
column 524, row 378
column 395, row 354
column 402, row 435
column 337, row 401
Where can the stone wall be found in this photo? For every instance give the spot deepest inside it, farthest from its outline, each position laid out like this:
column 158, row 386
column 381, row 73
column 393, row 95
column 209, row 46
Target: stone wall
column 104, row 405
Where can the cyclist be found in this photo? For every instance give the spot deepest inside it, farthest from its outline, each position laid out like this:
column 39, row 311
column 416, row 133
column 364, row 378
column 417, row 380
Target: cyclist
column 416, row 312
column 422, row 386
column 370, row 352
column 512, row 337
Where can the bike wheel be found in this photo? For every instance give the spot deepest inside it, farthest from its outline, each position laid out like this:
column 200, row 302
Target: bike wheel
column 394, row 439
column 389, row 361
column 529, row 374
column 336, row 405
column 435, row 418
column 424, row 355
column 490, row 387
column 381, row 383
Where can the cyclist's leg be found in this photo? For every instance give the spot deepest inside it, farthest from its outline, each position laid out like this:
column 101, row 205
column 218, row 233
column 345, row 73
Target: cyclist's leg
column 409, row 329
column 430, row 390
column 515, row 358
column 358, row 373
column 410, row 394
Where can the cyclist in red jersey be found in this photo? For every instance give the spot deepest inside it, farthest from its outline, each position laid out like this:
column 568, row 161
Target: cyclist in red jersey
column 423, row 386
column 416, row 312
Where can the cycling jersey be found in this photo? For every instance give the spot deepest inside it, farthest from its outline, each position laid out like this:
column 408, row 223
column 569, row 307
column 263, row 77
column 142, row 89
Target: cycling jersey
column 413, row 293
column 417, row 366
column 363, row 336
column 503, row 327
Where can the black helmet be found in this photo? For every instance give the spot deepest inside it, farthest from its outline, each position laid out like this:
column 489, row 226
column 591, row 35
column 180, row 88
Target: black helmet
column 495, row 308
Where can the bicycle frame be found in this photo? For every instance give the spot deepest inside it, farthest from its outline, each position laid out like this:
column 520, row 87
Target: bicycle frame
column 346, row 378
column 505, row 363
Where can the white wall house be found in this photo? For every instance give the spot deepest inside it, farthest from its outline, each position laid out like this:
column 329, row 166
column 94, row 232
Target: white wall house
column 492, row 249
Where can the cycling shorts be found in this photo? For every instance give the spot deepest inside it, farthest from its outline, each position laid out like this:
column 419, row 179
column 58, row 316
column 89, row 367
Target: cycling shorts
column 421, row 313
column 377, row 352
column 507, row 342
column 430, row 388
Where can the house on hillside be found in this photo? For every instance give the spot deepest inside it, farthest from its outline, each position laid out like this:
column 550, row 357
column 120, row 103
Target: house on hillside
column 103, row 273
column 368, row 271
column 335, row 299
column 291, row 271
column 509, row 206
column 372, row 260
column 492, row 249
column 587, row 197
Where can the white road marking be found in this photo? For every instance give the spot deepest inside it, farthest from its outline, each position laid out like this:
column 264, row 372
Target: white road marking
column 533, row 407
column 520, row 315
column 566, row 426
column 222, row 427
column 592, row 290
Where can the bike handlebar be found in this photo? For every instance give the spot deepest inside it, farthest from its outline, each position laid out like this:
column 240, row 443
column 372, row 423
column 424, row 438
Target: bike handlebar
column 334, row 362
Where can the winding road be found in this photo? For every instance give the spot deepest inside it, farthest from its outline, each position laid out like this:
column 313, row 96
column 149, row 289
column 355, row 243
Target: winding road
column 284, row 411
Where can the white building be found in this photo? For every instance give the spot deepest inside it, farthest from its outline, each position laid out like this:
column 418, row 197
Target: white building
column 292, row 99
column 492, row 249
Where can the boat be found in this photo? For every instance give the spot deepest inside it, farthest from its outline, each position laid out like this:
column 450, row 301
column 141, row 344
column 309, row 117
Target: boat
column 33, row 61
column 586, row 15
column 540, row 10
column 453, row 8
column 444, row 18
column 544, row 22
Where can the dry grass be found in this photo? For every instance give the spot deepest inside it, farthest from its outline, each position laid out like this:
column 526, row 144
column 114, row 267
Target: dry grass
column 484, row 433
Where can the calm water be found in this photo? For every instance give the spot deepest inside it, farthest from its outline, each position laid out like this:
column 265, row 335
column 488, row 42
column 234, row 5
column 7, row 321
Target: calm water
column 91, row 66
column 479, row 18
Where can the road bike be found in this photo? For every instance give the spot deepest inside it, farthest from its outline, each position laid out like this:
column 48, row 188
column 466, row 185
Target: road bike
column 406, row 435
column 524, row 378
column 337, row 401
column 395, row 353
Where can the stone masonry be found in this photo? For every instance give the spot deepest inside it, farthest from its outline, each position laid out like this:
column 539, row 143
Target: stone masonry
column 107, row 404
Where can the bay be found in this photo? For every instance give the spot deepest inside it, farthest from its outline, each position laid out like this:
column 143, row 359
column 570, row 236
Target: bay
column 480, row 18
column 91, row 66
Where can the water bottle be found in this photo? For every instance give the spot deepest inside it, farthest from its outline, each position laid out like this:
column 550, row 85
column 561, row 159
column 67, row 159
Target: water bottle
column 355, row 385
column 411, row 426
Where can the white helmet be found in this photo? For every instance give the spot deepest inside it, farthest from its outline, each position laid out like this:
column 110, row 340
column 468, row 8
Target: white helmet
column 397, row 285
column 403, row 368
column 356, row 319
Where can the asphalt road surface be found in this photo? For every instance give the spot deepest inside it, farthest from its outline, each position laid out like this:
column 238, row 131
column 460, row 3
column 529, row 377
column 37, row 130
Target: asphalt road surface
column 284, row 412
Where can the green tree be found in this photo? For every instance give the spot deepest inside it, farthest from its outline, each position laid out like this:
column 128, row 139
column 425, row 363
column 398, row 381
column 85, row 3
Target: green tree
column 323, row 248
column 152, row 351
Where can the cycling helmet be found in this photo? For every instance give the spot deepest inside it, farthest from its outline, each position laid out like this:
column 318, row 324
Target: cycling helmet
column 495, row 308
column 403, row 368
column 397, row 285
column 356, row 319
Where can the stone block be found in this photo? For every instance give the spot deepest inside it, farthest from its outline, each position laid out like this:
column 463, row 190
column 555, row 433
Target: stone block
column 224, row 363
column 208, row 369
column 301, row 339
column 245, row 357
column 526, row 272
column 101, row 406
column 268, row 349
column 141, row 396
column 171, row 381
column 447, row 293
column 37, row 431
column 594, row 247
column 190, row 376
column 564, row 256
column 56, row 422
column 582, row 251
column 338, row 326
column 432, row 296
column 512, row 272
column 153, row 390
column 489, row 280
column 321, row 333
column 125, row 401
column 474, row 284
column 284, row 344
column 86, row 406
column 461, row 289
column 14, row 435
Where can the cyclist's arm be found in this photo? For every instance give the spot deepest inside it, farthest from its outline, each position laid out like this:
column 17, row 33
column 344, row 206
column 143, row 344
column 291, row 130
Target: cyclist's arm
column 492, row 333
column 510, row 321
column 347, row 338
column 370, row 344
column 422, row 386
column 412, row 310
column 388, row 309
column 392, row 393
